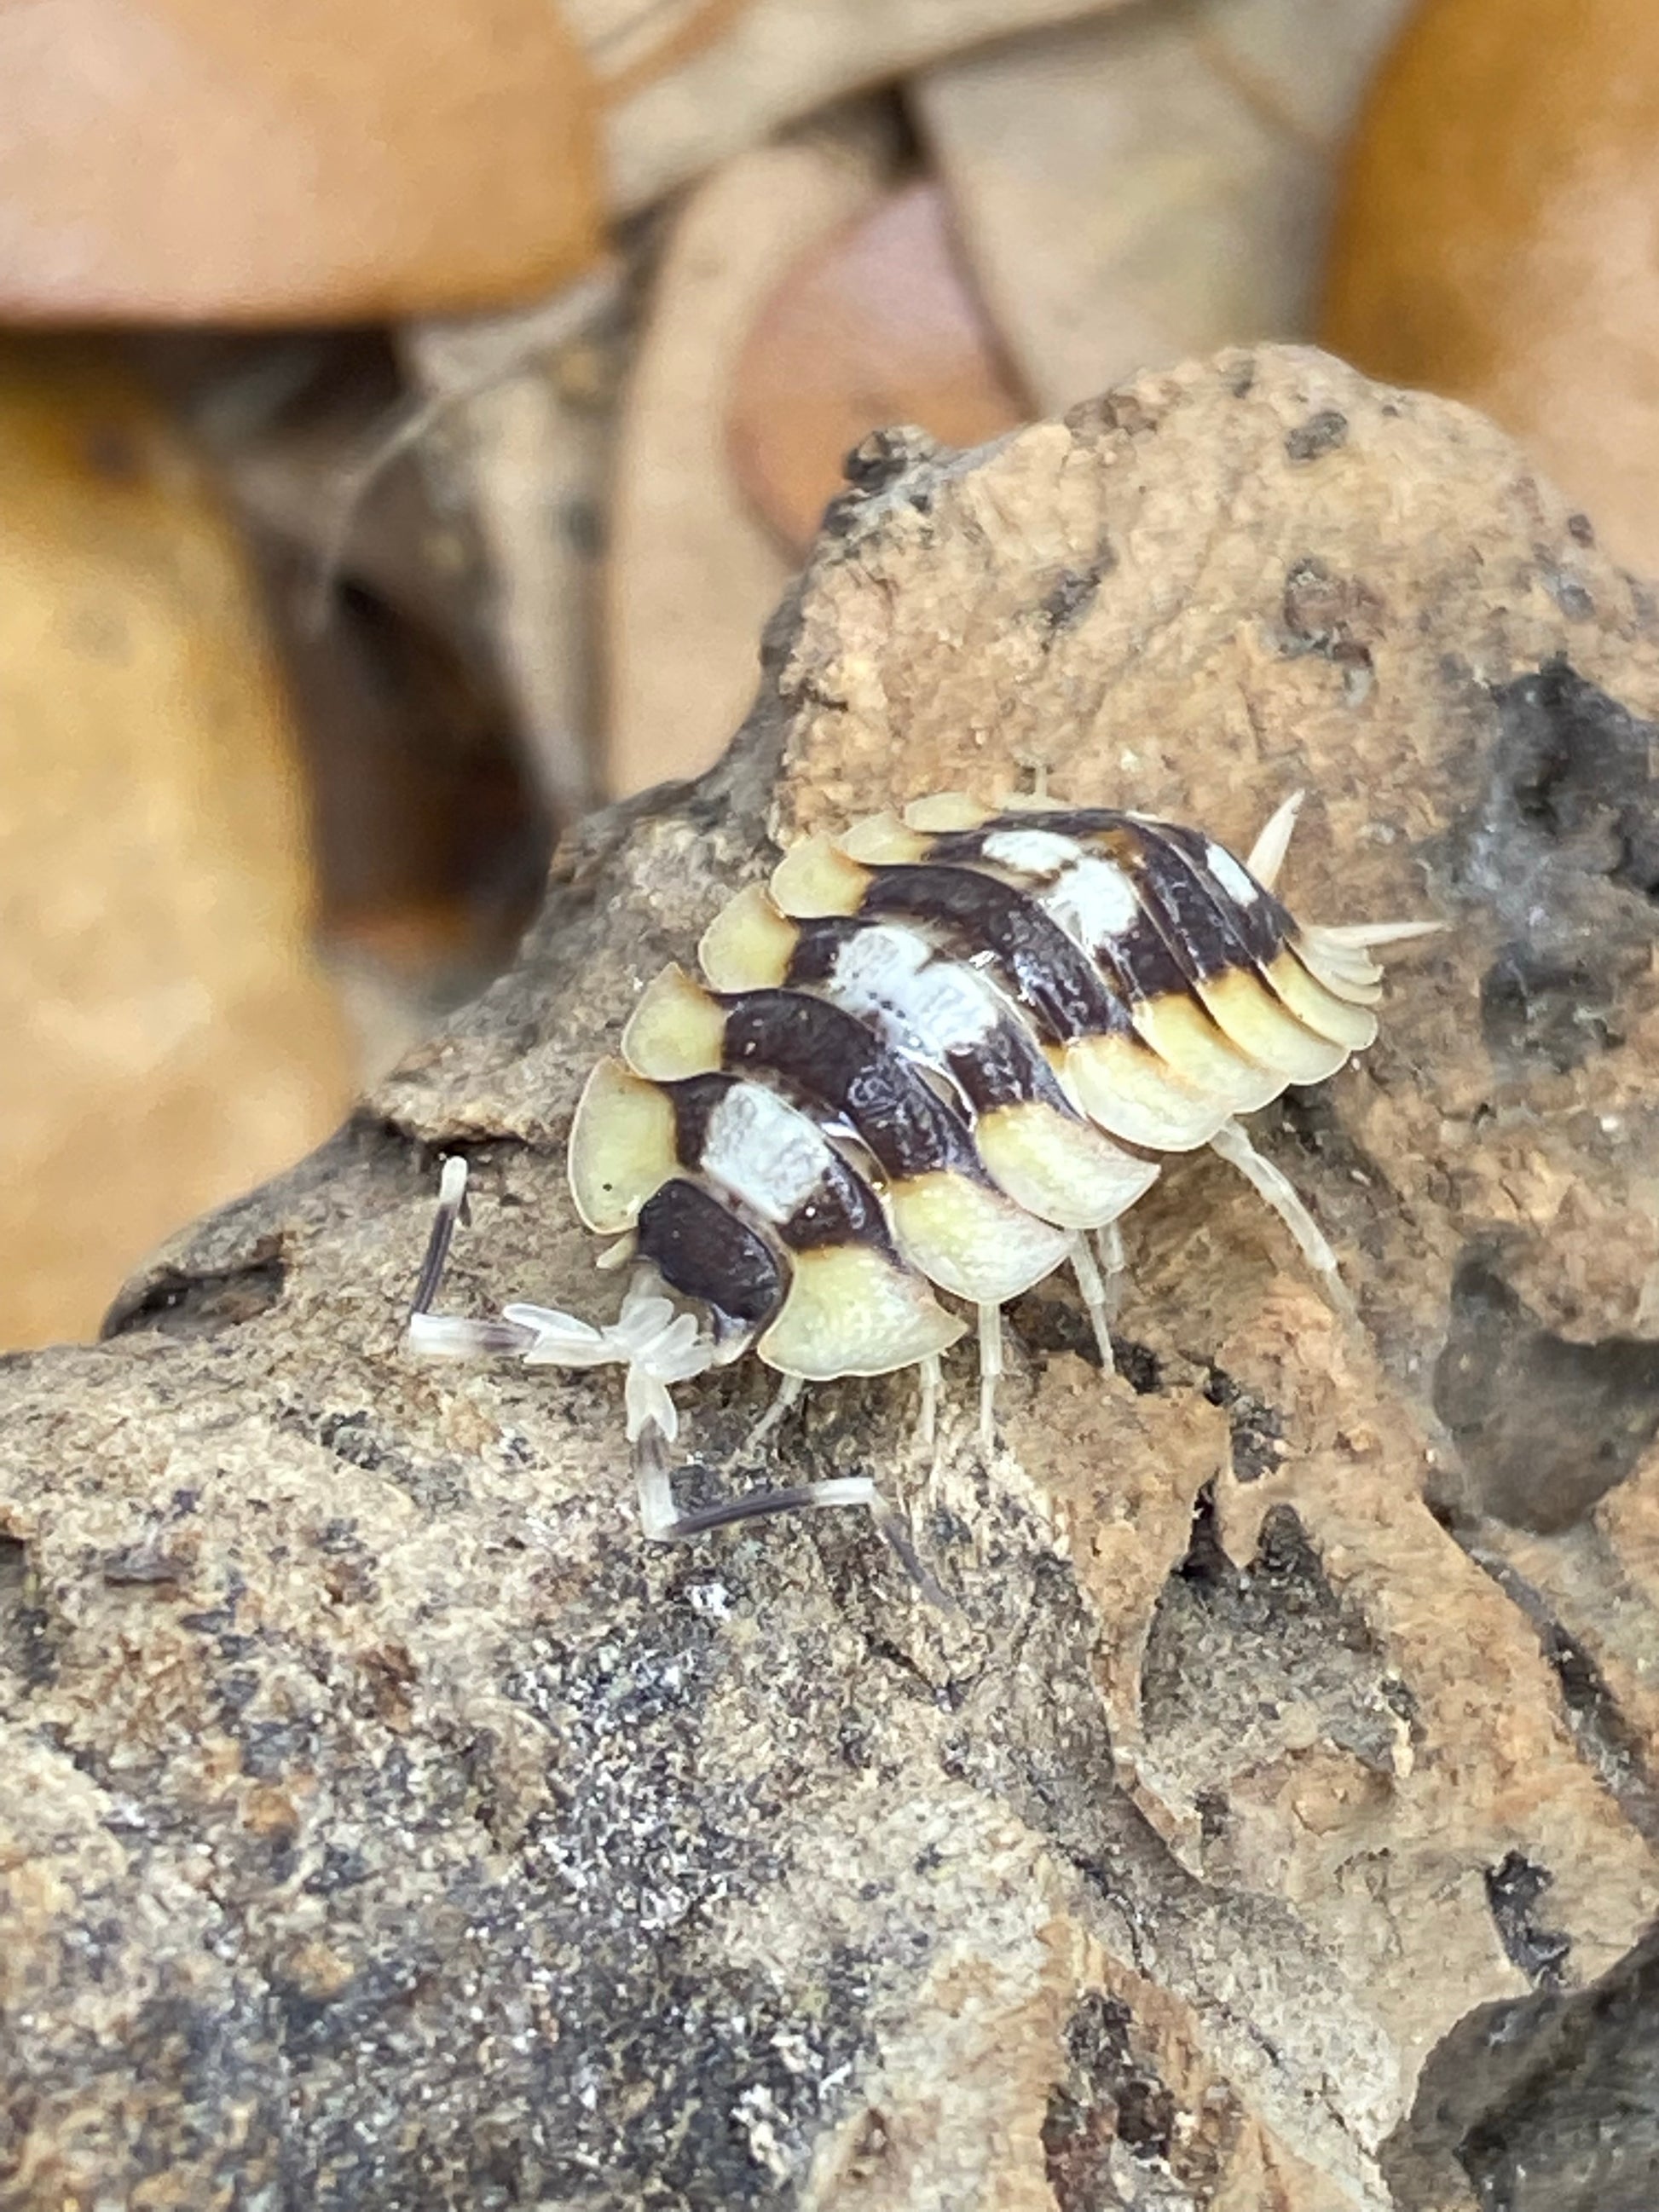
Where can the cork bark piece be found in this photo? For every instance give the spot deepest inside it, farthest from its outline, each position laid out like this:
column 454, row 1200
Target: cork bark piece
column 1266, row 1817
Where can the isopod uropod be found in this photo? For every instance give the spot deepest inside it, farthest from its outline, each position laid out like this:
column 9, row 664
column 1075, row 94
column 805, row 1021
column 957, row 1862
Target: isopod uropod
column 941, row 1053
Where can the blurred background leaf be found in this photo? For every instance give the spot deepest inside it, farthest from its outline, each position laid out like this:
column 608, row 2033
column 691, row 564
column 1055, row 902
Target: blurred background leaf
column 503, row 357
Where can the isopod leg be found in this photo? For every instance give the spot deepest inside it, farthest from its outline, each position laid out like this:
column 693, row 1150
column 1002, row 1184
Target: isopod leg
column 664, row 1524
column 440, row 1336
column 990, row 1372
column 933, row 1384
column 788, row 1394
column 452, row 1195
column 1109, row 1244
column 1097, row 1296
column 1235, row 1148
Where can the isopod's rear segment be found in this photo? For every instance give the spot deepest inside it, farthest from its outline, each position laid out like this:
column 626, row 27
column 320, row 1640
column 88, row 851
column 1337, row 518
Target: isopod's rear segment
column 1174, row 990
column 1170, row 989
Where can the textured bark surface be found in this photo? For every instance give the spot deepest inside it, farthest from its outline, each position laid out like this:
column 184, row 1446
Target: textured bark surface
column 1270, row 1821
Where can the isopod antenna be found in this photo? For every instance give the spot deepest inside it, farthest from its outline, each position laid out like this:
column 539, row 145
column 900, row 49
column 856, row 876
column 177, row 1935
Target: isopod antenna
column 658, row 1346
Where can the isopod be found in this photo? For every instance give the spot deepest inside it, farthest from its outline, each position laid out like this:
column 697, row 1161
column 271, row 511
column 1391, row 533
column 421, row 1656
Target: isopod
column 936, row 1059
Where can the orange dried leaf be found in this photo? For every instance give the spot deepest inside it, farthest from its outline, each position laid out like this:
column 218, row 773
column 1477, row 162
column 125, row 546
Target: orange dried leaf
column 322, row 160
column 877, row 326
column 1495, row 239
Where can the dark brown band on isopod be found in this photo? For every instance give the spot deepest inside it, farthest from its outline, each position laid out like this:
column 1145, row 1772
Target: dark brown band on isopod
column 1053, row 978
column 1135, row 961
column 842, row 1210
column 829, row 1056
column 1005, row 1068
column 1205, row 928
column 1000, row 1067
column 703, row 1249
column 1263, row 924
column 1199, row 922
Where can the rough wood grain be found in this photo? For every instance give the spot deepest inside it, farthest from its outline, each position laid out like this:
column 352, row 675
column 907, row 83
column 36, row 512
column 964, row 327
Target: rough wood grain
column 390, row 1827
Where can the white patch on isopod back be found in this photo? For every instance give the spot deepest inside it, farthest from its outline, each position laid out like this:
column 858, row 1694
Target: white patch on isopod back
column 1232, row 878
column 764, row 1151
column 1030, row 852
column 893, row 975
column 1094, row 901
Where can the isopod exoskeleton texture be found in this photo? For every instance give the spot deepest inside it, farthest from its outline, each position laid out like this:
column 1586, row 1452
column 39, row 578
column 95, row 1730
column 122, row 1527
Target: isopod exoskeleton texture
column 936, row 1059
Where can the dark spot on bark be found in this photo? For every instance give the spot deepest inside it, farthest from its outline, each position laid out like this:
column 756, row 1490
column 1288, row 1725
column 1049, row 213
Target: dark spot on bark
column 1339, row 618
column 1139, row 1366
column 1110, row 2096
column 1568, row 591
column 271, row 1750
column 145, row 1562
column 1257, row 1429
column 1606, row 1737
column 341, row 1869
column 180, row 1302
column 1553, row 1009
column 876, row 466
column 1123, row 410
column 237, row 1691
column 1205, row 1561
column 388, row 1675
column 24, row 1648
column 1050, row 1326
column 1215, row 1817
column 350, row 1437
column 1320, row 434
column 1513, row 1888
column 1562, row 851
column 1398, row 1697
column 1579, row 769
column 1544, row 2104
column 1073, row 590
column 1544, row 1426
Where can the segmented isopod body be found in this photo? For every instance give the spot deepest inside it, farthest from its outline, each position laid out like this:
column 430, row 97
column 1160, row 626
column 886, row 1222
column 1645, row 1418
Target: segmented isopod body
column 937, row 1055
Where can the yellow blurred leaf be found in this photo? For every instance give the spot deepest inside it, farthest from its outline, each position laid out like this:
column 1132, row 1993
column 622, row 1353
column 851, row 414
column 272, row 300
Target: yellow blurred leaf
column 168, row 1038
